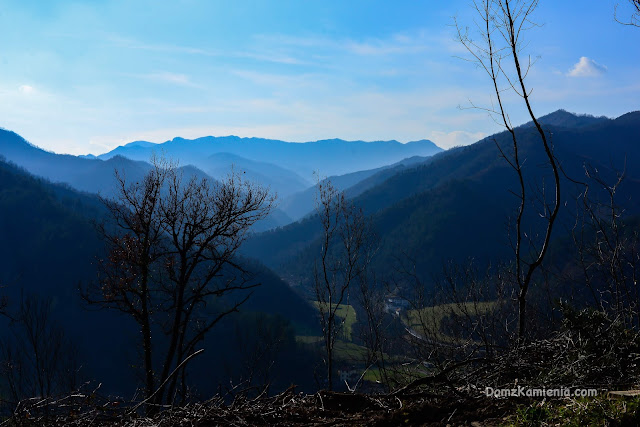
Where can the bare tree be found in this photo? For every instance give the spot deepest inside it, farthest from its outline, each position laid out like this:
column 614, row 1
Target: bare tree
column 608, row 249
column 501, row 26
column 634, row 14
column 39, row 360
column 343, row 258
column 136, row 245
column 172, row 247
column 374, row 327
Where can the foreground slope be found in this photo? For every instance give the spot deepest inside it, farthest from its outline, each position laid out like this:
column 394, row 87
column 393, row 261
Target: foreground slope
column 50, row 247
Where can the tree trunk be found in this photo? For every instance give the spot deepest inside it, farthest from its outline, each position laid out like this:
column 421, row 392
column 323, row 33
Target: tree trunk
column 522, row 305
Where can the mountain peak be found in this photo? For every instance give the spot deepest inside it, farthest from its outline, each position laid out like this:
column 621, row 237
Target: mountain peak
column 331, row 140
column 10, row 138
column 423, row 143
column 143, row 144
column 631, row 118
column 566, row 119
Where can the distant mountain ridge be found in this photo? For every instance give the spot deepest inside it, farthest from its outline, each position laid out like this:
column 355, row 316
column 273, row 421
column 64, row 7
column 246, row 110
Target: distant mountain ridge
column 90, row 175
column 94, row 175
column 328, row 157
column 353, row 184
column 280, row 180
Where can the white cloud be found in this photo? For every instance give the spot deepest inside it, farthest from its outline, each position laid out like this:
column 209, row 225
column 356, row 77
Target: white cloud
column 455, row 138
column 587, row 67
column 26, row 89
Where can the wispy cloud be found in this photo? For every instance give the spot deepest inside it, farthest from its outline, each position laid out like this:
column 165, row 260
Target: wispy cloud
column 398, row 44
column 587, row 67
column 173, row 78
column 164, row 48
column 281, row 82
column 27, row 89
column 300, row 50
column 168, row 77
column 394, row 44
column 265, row 54
column 276, row 57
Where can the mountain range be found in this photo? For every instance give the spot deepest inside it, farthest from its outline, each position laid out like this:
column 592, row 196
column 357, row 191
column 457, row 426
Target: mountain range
column 326, row 157
column 428, row 207
column 275, row 164
column 454, row 206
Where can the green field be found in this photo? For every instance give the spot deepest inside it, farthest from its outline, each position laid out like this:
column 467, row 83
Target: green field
column 346, row 315
column 349, row 352
column 431, row 318
column 345, row 350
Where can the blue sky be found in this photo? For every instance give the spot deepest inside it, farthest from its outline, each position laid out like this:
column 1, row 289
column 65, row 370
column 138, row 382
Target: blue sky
column 85, row 77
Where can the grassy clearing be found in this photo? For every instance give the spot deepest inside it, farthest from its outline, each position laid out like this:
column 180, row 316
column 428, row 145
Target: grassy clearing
column 429, row 319
column 347, row 317
column 348, row 352
column 344, row 350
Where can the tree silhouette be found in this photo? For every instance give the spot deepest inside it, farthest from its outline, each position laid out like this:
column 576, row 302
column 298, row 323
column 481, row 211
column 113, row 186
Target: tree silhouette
column 343, row 258
column 497, row 51
column 171, row 260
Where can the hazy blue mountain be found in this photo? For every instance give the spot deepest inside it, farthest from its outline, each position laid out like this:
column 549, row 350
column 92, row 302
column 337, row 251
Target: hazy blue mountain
column 280, row 180
column 302, row 203
column 328, row 157
column 91, row 175
column 140, row 144
column 454, row 206
column 96, row 175
column 277, row 218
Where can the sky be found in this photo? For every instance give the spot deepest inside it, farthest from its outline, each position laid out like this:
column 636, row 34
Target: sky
column 84, row 77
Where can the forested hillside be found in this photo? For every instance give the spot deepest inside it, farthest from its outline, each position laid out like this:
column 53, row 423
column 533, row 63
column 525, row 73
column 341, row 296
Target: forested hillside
column 51, row 250
column 455, row 207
